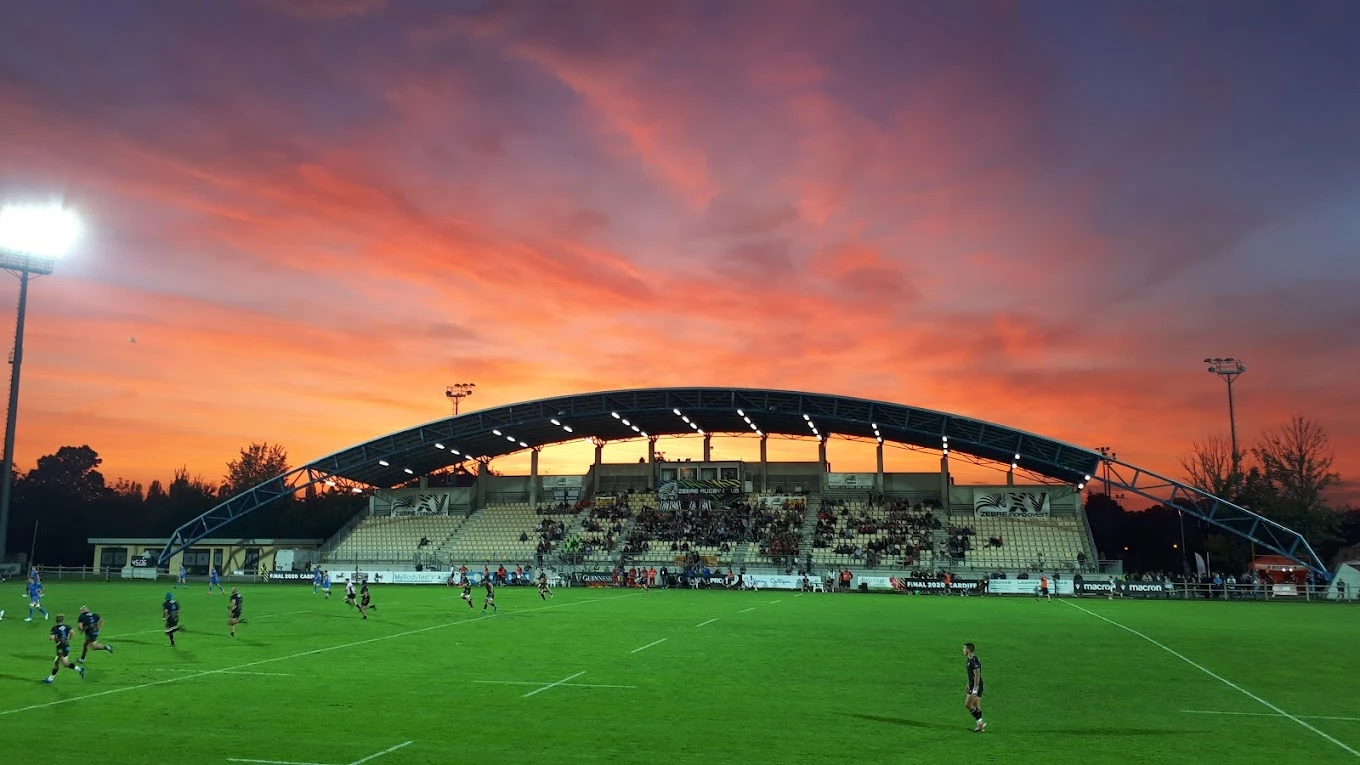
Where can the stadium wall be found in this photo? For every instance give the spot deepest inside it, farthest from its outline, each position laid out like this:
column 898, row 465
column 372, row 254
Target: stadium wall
column 229, row 555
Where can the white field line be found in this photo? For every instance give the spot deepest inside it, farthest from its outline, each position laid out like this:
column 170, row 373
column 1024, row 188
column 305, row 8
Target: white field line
column 553, row 685
column 286, row 658
column 229, row 672
column 535, row 682
column 710, row 621
column 290, row 762
column 388, row 750
column 649, row 645
column 744, row 610
column 1219, row 678
column 772, row 602
column 799, row 595
column 1266, row 714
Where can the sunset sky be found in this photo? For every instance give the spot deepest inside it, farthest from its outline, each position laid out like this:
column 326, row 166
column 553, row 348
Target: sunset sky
column 313, row 215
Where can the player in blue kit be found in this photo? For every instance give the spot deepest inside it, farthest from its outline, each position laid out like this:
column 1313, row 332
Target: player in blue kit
column 61, row 635
column 316, row 580
column 326, row 584
column 35, row 593
column 170, row 611
column 183, row 577
column 90, row 623
column 213, row 581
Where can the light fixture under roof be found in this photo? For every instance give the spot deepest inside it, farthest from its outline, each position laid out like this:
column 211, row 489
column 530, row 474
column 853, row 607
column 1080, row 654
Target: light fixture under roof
column 615, row 415
column 409, row 471
column 439, row 446
column 384, row 463
column 497, row 432
column 554, row 421
column 743, row 414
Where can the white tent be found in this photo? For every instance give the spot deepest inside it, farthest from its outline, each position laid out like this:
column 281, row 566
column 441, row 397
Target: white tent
column 1350, row 574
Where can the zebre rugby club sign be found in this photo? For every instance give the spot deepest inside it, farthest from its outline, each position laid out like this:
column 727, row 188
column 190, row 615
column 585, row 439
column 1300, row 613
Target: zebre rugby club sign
column 1007, row 502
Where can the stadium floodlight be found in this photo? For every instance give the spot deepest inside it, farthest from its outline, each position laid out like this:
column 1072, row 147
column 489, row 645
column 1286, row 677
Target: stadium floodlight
column 511, row 439
column 677, row 411
column 1017, row 458
column 741, row 413
column 32, row 239
column 523, row 445
column 615, row 415
column 356, row 490
column 384, row 463
column 457, row 392
column 1227, row 369
column 409, row 471
column 330, row 483
column 568, row 428
column 626, row 422
column 439, row 446
column 807, row 417
column 455, row 451
column 555, row 421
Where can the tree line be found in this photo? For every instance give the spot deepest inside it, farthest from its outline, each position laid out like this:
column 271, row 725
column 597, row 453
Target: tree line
column 67, row 499
column 1285, row 476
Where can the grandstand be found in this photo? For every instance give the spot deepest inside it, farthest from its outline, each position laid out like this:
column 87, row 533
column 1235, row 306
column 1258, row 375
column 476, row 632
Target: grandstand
column 720, row 525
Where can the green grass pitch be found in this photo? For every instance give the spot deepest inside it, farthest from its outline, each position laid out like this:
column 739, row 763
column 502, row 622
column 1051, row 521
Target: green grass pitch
column 767, row 677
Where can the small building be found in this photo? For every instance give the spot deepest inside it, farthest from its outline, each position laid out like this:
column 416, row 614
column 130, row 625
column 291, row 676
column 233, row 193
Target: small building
column 227, row 555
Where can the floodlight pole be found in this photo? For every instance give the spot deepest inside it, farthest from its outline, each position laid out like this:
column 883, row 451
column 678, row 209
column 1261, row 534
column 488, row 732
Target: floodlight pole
column 7, row 479
column 457, row 392
column 1227, row 369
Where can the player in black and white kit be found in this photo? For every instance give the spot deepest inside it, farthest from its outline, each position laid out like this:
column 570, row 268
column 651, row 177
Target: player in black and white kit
column 365, row 602
column 467, row 592
column 349, row 592
column 973, row 701
column 544, row 592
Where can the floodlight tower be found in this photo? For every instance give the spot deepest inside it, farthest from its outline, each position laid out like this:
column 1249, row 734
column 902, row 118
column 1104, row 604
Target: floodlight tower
column 457, row 392
column 32, row 238
column 1227, row 369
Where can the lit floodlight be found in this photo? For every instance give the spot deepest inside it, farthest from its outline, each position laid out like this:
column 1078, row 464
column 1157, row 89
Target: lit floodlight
column 807, row 417
column 554, row 421
column 702, row 433
column 944, row 439
column 511, row 439
column 409, row 471
column 455, row 451
column 626, row 422
column 497, row 432
column 762, row 435
column 873, row 425
column 356, row 490
column 677, row 411
column 523, row 445
column 644, row 434
column 685, row 418
column 1088, row 478
column 615, row 415
column 1014, row 465
column 439, row 446
column 330, row 483
column 567, row 428
column 1017, row 457
column 384, row 463
column 39, row 231
column 741, row 413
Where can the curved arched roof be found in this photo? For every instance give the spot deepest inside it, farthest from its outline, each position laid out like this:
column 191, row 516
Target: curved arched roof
column 397, row 457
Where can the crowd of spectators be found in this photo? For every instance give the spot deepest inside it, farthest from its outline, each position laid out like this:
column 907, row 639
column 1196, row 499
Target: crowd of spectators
column 899, row 531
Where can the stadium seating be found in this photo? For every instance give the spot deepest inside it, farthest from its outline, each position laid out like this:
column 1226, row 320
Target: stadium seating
column 393, row 539
column 492, row 536
column 1059, row 540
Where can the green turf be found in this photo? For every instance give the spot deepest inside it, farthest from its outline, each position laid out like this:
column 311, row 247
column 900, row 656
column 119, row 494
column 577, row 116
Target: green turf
column 808, row 679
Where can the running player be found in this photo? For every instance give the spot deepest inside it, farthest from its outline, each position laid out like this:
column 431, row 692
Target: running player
column 61, row 635
column 183, row 577
column 316, row 580
column 1043, row 588
column 544, row 591
column 90, row 624
column 213, row 581
column 326, row 584
column 973, row 701
column 349, row 592
column 170, row 611
column 364, row 602
column 35, row 593
column 490, row 597
column 467, row 592
column 234, row 611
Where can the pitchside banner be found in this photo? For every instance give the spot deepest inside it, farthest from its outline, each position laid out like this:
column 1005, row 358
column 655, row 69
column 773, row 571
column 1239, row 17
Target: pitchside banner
column 551, row 482
column 377, row 577
column 906, row 584
column 863, row 481
column 1153, row 589
column 1028, row 586
column 989, row 502
column 774, row 582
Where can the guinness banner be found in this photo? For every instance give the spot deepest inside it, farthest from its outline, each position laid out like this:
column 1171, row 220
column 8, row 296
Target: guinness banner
column 988, row 502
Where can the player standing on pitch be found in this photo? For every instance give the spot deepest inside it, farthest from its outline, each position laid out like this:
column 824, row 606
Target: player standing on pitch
column 234, row 611
column 973, row 701
column 170, row 610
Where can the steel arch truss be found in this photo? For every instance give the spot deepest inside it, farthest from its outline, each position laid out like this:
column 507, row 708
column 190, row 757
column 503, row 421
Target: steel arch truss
column 330, row 472
column 1220, row 512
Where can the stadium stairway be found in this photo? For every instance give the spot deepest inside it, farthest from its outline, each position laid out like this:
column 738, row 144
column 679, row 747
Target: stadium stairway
column 814, row 506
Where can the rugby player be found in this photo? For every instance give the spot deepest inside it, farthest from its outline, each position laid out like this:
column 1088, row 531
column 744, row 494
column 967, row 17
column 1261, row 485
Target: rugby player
column 90, row 623
column 61, row 635
column 973, row 701
column 170, row 611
